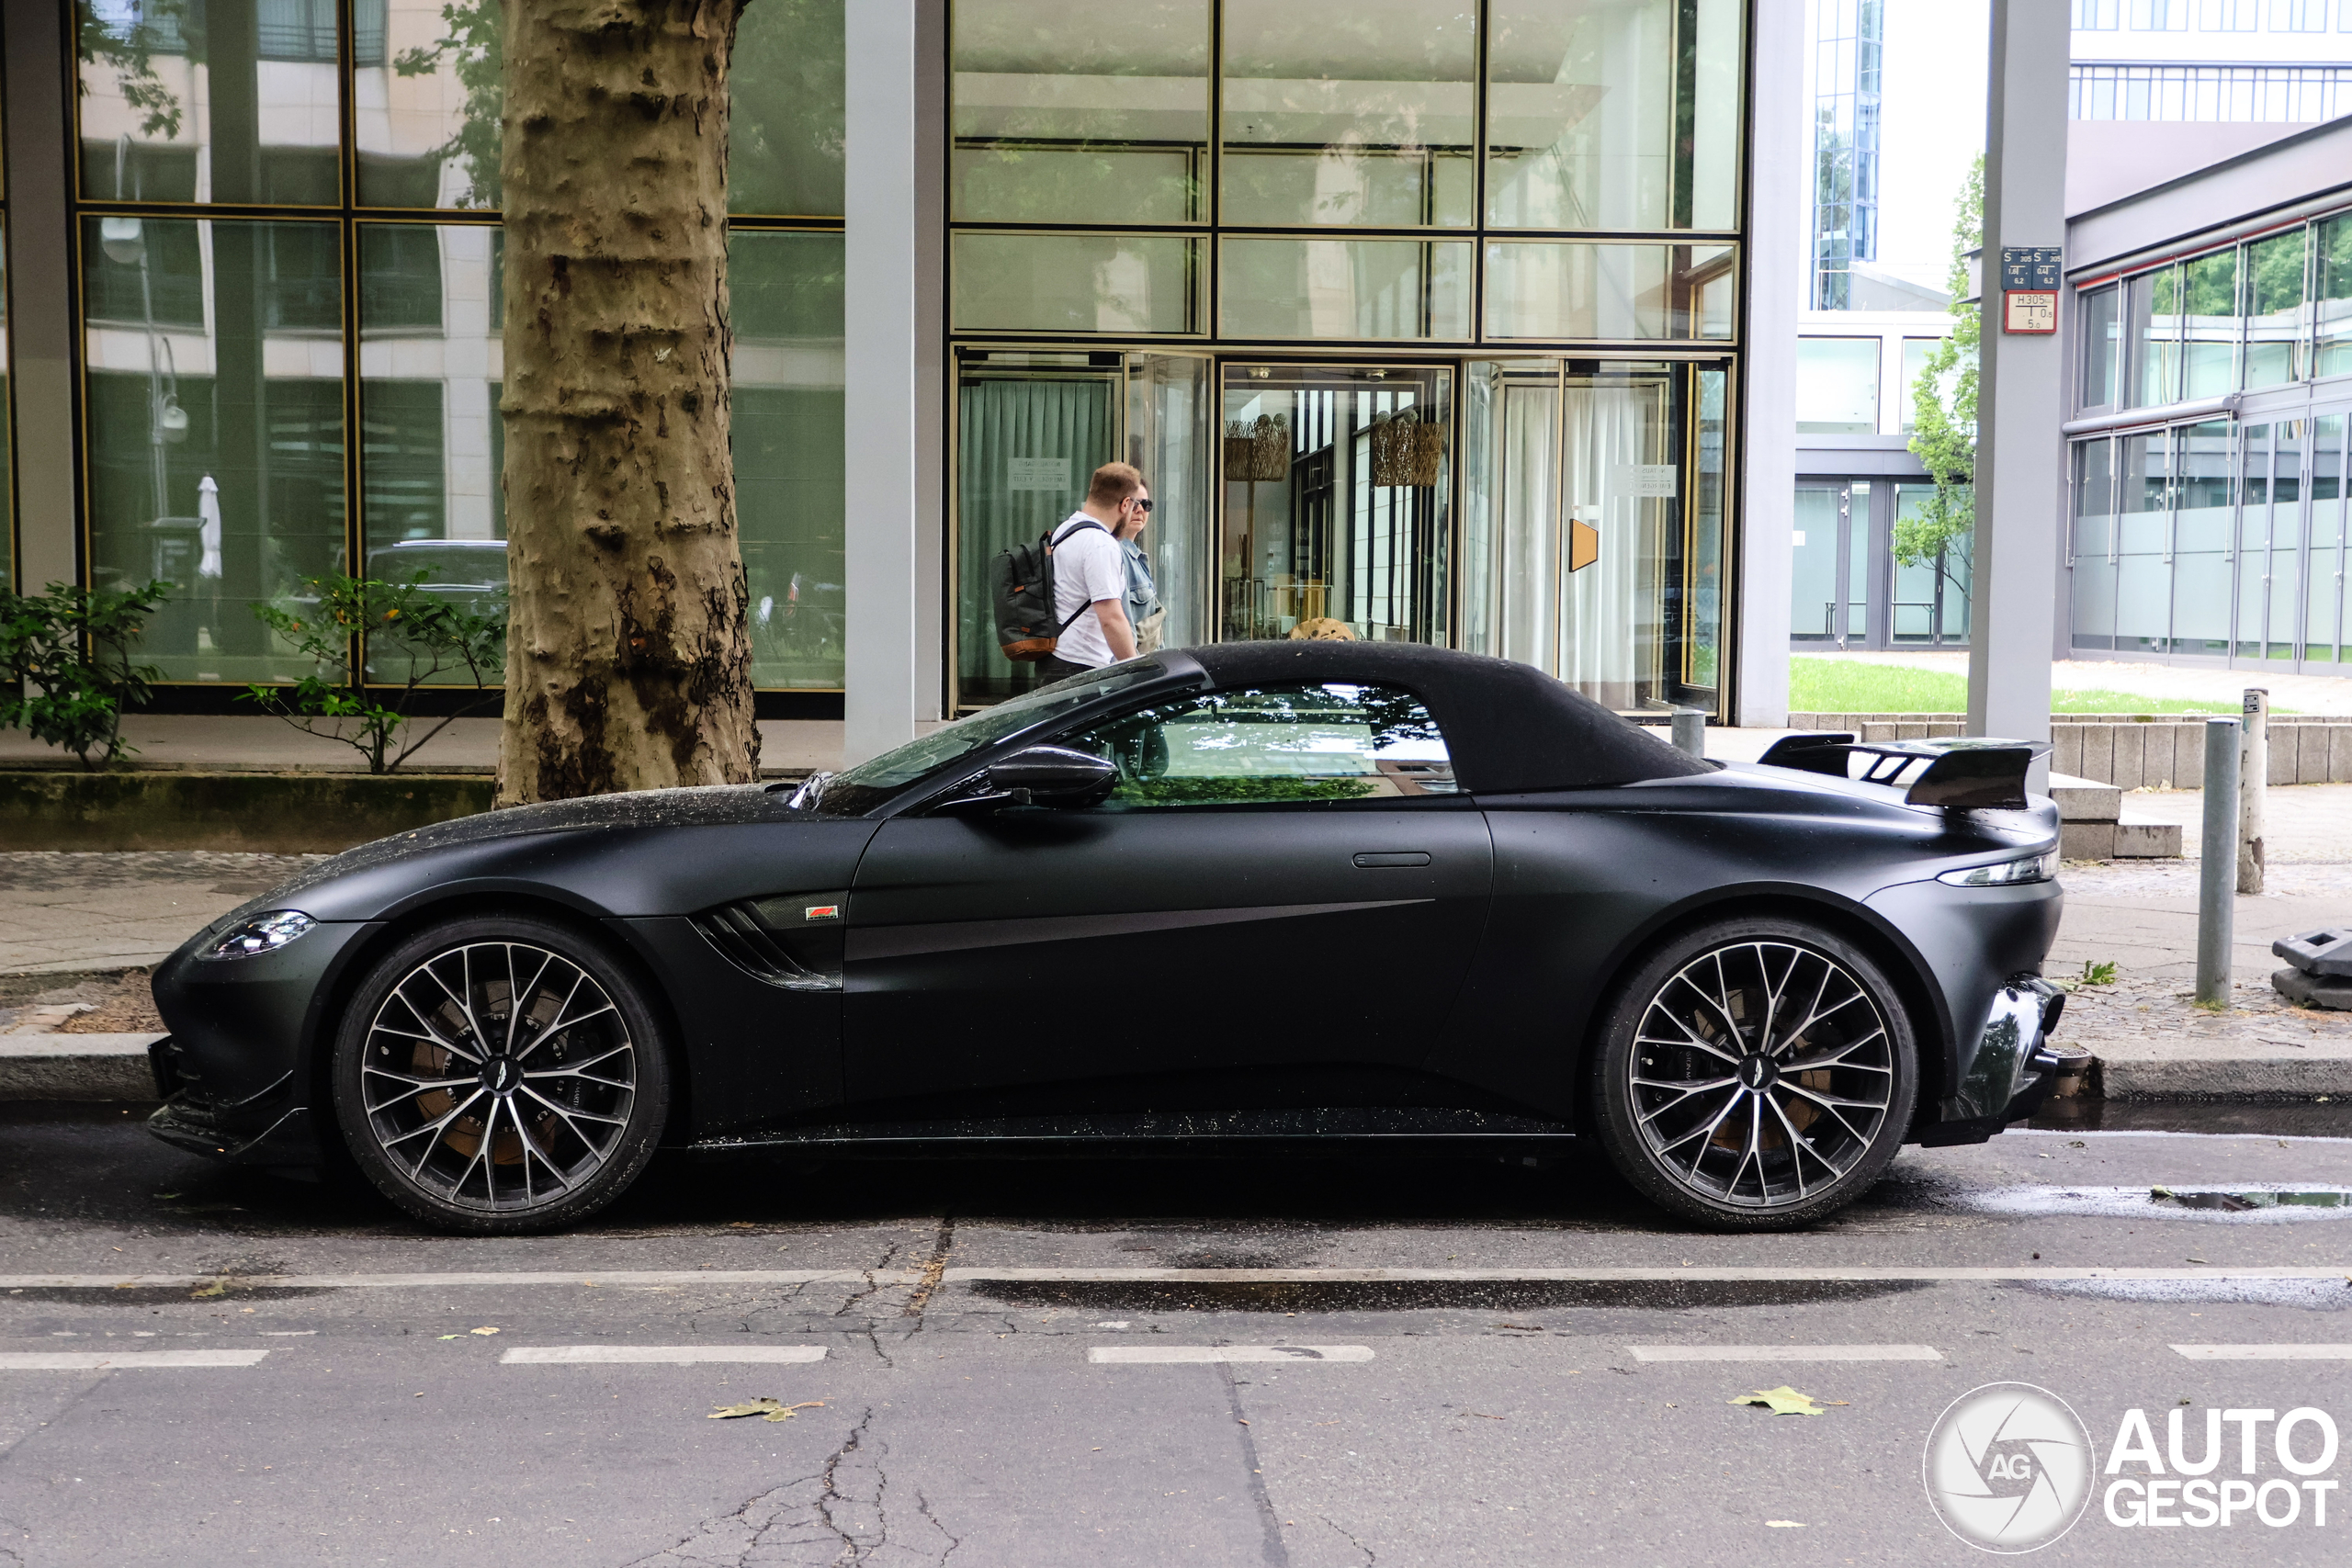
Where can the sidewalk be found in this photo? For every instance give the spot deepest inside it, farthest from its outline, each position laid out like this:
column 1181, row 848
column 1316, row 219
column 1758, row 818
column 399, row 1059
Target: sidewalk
column 243, row 742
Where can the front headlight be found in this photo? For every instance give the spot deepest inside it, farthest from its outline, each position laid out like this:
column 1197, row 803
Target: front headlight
column 2006, row 873
column 260, row 933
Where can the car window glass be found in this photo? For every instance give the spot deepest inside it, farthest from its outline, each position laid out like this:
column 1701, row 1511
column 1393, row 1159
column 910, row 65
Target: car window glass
column 861, row 789
column 1329, row 742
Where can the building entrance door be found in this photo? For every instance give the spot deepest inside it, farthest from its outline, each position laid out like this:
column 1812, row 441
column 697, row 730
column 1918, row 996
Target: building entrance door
column 1337, row 483
column 1593, row 524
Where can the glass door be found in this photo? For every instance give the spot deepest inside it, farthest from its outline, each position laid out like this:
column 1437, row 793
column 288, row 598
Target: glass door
column 1594, row 540
column 1031, row 430
column 1337, row 483
column 1829, row 574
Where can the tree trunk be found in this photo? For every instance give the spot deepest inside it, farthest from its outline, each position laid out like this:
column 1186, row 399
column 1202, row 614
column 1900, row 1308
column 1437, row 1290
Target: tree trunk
column 629, row 655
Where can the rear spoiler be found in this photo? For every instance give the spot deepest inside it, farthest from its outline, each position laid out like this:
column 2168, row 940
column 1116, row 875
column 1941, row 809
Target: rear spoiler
column 1966, row 772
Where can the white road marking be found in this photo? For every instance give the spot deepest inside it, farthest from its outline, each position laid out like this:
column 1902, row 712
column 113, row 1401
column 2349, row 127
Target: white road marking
column 2265, row 1352
column 1122, row 1354
column 668, row 1355
column 628, row 1277
column 1785, row 1352
column 122, row 1360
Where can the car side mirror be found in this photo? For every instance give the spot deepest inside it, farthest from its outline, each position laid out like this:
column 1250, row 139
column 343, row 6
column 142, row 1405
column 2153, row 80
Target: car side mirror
column 1038, row 776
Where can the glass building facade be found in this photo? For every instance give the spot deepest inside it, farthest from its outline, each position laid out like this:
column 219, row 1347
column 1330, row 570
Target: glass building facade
column 2214, row 392
column 1422, row 318
column 289, row 250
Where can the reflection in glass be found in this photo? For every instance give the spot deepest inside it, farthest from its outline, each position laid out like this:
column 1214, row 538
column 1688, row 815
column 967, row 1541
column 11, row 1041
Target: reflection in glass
column 2270, row 513
column 1709, row 534
column 2094, row 545
column 1838, row 386
column 2334, row 351
column 234, row 101
column 2209, row 324
column 789, row 484
column 1031, row 430
column 1075, row 283
column 426, row 89
column 789, row 84
column 2102, row 344
column 7, row 439
column 1337, row 483
column 1346, row 288
column 2156, row 332
column 430, row 439
column 2322, row 612
column 1576, row 291
column 1338, row 114
column 1614, row 114
column 2274, row 339
column 216, row 446
column 1087, row 114
column 1259, row 747
column 2199, row 560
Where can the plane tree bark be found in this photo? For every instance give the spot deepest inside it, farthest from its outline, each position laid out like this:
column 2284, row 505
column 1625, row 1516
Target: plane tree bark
column 628, row 653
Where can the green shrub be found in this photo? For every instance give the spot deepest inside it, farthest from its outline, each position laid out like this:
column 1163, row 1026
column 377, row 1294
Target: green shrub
column 65, row 654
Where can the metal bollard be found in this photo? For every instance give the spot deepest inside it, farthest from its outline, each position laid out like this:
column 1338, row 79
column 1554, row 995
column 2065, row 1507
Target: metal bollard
column 2254, row 787
column 1691, row 731
column 2217, row 862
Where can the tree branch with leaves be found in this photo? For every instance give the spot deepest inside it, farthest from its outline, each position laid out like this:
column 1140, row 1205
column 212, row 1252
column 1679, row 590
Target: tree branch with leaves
column 1942, row 532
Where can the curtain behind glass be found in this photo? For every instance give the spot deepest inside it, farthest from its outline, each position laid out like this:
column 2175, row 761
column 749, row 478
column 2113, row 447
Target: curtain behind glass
column 1026, row 449
column 1615, row 637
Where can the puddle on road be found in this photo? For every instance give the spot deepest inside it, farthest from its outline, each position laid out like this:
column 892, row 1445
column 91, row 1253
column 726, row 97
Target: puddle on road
column 2312, row 1295
column 2247, row 1203
column 1427, row 1295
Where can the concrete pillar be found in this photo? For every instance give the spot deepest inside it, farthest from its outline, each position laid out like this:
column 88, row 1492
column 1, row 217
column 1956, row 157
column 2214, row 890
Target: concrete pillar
column 892, row 303
column 40, row 290
column 2013, row 599
column 1775, row 287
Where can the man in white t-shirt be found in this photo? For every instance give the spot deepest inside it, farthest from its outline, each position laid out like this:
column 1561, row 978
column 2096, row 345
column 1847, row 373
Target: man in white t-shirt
column 1090, row 575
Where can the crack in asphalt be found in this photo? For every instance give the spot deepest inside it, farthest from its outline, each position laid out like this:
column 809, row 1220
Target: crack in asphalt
column 1369, row 1557
column 1276, row 1552
column 933, row 1270
column 833, row 1519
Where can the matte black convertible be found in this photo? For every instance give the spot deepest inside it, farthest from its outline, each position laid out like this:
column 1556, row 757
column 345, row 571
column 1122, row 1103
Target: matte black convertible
column 1256, row 895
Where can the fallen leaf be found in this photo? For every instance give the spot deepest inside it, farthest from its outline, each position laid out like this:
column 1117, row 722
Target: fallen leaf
column 448, row 1337
column 218, row 1287
column 766, row 1409
column 482, row 1331
column 1781, row 1401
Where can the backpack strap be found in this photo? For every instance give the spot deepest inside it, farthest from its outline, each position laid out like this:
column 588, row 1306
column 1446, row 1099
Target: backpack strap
column 1055, row 537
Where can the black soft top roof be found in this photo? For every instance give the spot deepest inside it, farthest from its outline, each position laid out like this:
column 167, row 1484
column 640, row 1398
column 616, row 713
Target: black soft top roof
column 1509, row 727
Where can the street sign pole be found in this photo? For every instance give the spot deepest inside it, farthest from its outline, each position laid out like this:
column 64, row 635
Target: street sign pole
column 2013, row 597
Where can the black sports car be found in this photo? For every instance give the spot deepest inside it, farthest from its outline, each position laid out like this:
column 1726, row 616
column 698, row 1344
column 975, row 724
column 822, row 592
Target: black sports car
column 1254, row 896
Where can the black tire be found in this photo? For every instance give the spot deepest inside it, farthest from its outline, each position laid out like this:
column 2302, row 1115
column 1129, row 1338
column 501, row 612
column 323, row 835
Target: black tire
column 1746, row 1122
column 477, row 1122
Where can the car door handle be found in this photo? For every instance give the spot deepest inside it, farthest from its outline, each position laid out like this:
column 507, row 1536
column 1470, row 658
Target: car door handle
column 1372, row 861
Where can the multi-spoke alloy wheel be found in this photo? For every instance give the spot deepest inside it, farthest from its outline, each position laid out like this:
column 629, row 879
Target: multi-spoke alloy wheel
column 500, row 1075
column 1755, row 1074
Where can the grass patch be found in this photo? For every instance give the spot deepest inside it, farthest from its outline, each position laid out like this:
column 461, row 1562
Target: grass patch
column 1842, row 685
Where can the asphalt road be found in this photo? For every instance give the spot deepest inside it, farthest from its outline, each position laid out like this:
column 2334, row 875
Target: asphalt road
column 1425, row 1363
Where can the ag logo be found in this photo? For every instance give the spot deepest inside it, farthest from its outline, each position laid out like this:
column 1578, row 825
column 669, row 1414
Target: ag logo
column 2009, row 1467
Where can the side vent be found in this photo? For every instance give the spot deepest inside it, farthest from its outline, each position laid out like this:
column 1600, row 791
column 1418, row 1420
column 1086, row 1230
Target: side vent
column 749, row 943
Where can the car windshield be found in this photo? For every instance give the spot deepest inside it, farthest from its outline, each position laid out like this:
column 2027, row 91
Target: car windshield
column 860, row 789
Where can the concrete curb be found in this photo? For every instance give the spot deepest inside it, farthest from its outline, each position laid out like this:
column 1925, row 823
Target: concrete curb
column 75, row 1066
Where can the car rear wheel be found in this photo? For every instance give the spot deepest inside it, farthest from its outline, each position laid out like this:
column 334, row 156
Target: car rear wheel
column 1755, row 1074
column 500, row 1075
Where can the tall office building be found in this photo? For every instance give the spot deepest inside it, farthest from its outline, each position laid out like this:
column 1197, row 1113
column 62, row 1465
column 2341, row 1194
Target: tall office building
column 1849, row 37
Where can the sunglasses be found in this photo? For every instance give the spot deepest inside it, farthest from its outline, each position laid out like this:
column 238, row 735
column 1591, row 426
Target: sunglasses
column 1139, row 504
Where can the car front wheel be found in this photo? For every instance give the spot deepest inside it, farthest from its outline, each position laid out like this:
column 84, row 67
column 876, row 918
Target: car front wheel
column 501, row 1076
column 1755, row 1074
